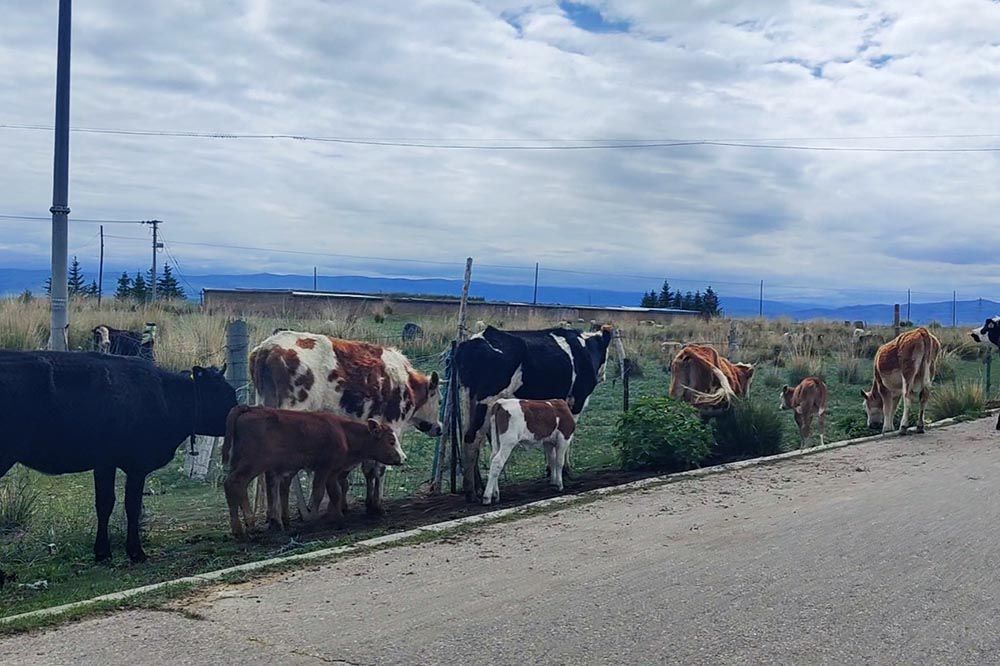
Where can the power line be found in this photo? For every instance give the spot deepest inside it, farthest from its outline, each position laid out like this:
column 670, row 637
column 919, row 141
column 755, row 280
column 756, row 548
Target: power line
column 541, row 145
column 71, row 219
column 177, row 265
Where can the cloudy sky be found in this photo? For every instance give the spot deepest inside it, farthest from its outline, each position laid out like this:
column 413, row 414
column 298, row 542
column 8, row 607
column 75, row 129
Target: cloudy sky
column 522, row 73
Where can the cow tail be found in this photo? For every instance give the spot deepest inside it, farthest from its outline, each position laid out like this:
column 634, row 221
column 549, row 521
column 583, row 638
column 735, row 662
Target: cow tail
column 227, row 443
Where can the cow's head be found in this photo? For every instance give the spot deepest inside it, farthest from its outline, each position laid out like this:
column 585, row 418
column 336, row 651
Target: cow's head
column 988, row 332
column 427, row 398
column 597, row 344
column 214, row 397
column 873, row 408
column 786, row 397
column 745, row 373
column 385, row 446
column 102, row 339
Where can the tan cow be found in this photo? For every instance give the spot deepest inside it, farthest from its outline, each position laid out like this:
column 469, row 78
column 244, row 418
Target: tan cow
column 806, row 400
column 705, row 379
column 904, row 368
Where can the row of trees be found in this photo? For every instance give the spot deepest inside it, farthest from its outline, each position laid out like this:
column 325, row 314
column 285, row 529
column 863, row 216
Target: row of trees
column 706, row 302
column 138, row 288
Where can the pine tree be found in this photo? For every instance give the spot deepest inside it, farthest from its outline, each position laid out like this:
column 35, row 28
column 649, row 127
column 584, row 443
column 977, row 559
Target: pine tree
column 698, row 302
column 140, row 291
column 678, row 300
column 711, row 303
column 688, row 301
column 663, row 300
column 76, row 283
column 167, row 286
column 92, row 290
column 124, row 289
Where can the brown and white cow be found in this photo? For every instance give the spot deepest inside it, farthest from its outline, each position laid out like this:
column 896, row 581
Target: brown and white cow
column 904, row 368
column 546, row 423
column 305, row 371
column 806, row 400
column 706, row 379
column 261, row 439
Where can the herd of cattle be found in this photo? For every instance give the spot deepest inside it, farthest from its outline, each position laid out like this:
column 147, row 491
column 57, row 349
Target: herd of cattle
column 329, row 405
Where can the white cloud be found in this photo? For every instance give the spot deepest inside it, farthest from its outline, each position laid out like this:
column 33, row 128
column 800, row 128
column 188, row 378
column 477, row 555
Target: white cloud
column 468, row 71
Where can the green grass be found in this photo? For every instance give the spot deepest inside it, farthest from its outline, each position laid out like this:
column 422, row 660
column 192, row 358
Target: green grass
column 190, row 533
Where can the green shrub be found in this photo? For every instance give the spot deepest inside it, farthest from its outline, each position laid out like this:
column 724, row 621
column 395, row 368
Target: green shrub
column 18, row 500
column 855, row 423
column 852, row 371
column 747, row 430
column 800, row 367
column 956, row 399
column 945, row 370
column 661, row 434
column 379, row 318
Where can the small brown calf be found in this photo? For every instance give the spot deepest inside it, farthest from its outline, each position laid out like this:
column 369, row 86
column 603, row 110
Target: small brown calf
column 806, row 400
column 283, row 441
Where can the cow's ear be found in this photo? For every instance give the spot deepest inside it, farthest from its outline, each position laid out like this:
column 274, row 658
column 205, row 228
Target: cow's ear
column 373, row 426
column 784, row 389
column 864, row 394
column 434, row 381
column 990, row 323
column 197, row 371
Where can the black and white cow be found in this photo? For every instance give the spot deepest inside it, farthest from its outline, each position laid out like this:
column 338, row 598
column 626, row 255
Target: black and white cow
column 548, row 364
column 989, row 332
column 118, row 342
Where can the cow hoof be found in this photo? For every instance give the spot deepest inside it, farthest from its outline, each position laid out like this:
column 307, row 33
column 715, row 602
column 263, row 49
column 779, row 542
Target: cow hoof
column 102, row 556
column 904, row 431
column 274, row 526
column 375, row 510
column 920, row 430
column 138, row 558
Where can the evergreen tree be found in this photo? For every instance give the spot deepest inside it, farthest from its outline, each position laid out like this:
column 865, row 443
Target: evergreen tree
column 698, row 303
column 687, row 302
column 167, row 286
column 711, row 303
column 92, row 290
column 76, row 283
column 140, row 291
column 663, row 300
column 678, row 300
column 649, row 300
column 124, row 289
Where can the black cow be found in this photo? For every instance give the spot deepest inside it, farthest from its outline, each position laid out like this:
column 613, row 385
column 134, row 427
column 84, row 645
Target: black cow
column 67, row 412
column 533, row 365
column 115, row 341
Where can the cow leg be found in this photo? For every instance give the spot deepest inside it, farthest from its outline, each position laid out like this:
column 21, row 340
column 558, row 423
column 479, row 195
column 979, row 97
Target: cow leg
column 822, row 426
column 889, row 406
column 472, row 479
column 134, row 484
column 501, row 451
column 284, row 487
column 925, row 395
column 104, row 500
column 343, row 484
column 235, row 494
column 907, row 398
column 374, row 472
column 559, row 461
column 316, row 498
column 335, row 510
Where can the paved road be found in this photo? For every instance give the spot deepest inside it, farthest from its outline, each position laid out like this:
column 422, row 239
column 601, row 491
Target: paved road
column 882, row 553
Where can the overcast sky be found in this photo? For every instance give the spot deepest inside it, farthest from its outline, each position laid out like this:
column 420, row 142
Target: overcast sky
column 508, row 72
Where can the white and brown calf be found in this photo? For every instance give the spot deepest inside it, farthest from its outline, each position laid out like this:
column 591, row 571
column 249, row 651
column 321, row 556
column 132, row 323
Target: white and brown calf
column 545, row 423
column 807, row 400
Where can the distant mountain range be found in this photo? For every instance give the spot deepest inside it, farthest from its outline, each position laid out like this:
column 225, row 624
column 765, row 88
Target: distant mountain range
column 14, row 281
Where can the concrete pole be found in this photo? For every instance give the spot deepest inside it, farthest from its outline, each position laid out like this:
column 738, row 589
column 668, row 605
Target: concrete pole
column 59, row 298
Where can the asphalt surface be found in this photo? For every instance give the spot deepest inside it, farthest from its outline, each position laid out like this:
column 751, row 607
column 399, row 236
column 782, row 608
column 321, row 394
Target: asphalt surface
column 883, row 553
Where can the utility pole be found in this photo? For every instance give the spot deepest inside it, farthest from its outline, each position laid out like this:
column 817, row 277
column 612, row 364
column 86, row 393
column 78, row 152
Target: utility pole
column 314, row 279
column 100, row 271
column 59, row 298
column 954, row 309
column 534, row 299
column 156, row 246
column 908, row 306
column 761, row 311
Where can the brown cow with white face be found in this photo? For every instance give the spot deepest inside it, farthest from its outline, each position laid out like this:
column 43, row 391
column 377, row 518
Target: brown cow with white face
column 904, row 368
column 305, row 371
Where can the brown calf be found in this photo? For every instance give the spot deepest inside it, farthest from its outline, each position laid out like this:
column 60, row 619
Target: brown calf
column 806, row 400
column 262, row 439
column 704, row 378
column 904, row 368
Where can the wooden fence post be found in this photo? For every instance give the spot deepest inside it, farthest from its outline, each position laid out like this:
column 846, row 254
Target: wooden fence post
column 989, row 373
column 895, row 319
column 623, row 365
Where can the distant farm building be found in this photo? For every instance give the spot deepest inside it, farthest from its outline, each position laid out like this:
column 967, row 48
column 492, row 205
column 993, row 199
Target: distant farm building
column 304, row 304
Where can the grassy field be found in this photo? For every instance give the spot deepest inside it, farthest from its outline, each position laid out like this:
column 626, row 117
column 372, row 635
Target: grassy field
column 47, row 523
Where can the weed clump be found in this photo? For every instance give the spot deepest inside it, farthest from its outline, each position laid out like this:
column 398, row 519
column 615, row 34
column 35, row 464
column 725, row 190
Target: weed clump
column 661, row 434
